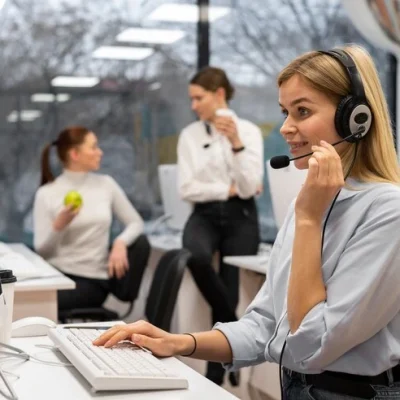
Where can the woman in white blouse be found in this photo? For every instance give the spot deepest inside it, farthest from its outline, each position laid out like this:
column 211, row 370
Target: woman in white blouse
column 220, row 164
column 76, row 240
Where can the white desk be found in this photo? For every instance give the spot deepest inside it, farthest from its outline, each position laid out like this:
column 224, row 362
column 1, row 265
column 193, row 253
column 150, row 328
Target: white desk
column 38, row 297
column 45, row 382
column 166, row 242
column 256, row 263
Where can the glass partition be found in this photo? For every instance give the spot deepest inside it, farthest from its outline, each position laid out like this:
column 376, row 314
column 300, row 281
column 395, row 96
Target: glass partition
column 131, row 90
column 138, row 56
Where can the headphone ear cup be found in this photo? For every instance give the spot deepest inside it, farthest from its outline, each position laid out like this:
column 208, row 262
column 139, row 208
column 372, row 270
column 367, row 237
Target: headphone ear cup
column 342, row 117
column 344, row 120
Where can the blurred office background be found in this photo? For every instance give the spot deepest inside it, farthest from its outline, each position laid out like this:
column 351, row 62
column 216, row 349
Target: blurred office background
column 134, row 96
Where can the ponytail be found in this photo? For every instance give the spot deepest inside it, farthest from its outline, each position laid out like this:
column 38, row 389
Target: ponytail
column 47, row 175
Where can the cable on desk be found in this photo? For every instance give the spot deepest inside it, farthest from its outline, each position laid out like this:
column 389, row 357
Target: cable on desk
column 11, row 395
column 52, row 349
column 14, row 352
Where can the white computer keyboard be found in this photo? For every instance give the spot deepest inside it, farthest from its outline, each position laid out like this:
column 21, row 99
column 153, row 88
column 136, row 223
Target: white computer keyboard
column 24, row 269
column 123, row 367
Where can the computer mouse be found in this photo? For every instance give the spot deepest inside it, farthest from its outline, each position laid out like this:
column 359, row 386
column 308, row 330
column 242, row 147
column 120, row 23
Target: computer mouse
column 31, row 326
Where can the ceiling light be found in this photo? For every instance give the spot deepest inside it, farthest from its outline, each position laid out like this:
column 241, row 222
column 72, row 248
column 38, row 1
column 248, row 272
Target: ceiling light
column 62, row 97
column 24, row 115
column 145, row 35
column 75, row 81
column 185, row 13
column 49, row 97
column 13, row 117
column 122, row 53
column 2, row 3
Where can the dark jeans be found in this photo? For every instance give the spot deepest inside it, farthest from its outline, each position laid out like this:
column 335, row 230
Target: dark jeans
column 296, row 389
column 91, row 293
column 230, row 227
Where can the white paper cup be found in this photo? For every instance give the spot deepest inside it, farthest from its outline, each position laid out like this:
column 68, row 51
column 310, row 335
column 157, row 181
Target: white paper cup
column 224, row 112
column 7, row 280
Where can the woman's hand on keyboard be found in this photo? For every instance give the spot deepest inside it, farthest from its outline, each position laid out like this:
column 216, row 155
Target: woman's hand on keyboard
column 142, row 333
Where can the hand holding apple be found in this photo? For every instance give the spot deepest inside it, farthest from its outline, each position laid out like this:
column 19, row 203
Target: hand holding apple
column 64, row 217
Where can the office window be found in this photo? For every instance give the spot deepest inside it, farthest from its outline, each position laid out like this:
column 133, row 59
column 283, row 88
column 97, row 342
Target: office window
column 136, row 100
column 257, row 40
column 135, row 97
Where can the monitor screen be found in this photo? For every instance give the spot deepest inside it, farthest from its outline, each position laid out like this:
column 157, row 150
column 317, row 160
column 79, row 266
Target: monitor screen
column 177, row 209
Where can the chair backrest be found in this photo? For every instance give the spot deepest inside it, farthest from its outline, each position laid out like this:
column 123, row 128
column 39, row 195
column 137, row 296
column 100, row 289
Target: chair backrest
column 127, row 288
column 284, row 185
column 178, row 209
column 165, row 287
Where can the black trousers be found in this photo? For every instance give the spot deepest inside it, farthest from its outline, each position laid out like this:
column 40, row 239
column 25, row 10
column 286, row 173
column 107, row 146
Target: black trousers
column 88, row 293
column 230, row 227
column 91, row 293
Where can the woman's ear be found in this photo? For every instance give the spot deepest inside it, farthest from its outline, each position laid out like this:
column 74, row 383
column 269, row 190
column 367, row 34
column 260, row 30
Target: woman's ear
column 220, row 95
column 73, row 154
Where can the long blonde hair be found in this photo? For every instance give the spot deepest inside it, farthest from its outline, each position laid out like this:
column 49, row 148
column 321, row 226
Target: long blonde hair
column 376, row 159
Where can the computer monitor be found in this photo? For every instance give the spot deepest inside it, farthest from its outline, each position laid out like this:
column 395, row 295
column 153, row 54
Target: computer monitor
column 284, row 186
column 176, row 210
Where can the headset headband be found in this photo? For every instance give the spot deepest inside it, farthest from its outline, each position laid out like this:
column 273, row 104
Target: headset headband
column 357, row 87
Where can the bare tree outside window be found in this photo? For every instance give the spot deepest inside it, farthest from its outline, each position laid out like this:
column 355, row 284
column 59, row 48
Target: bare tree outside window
column 42, row 40
column 139, row 107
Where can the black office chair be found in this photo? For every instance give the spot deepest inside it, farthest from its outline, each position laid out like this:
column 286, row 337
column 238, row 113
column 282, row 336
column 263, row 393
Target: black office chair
column 125, row 289
column 165, row 287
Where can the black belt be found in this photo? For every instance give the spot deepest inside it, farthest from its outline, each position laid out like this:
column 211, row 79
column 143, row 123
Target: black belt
column 234, row 199
column 349, row 384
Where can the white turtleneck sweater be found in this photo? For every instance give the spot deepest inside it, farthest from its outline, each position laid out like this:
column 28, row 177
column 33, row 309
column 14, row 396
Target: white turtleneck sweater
column 82, row 247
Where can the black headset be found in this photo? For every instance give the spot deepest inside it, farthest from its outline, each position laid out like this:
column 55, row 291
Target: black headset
column 353, row 115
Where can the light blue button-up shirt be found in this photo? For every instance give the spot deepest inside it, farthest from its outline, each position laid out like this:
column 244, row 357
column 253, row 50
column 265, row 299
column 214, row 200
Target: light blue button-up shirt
column 357, row 329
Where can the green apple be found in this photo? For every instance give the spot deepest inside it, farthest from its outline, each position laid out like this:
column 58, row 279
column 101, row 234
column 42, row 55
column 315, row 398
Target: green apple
column 73, row 198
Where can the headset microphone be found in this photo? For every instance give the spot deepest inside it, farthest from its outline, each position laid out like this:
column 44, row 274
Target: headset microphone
column 279, row 162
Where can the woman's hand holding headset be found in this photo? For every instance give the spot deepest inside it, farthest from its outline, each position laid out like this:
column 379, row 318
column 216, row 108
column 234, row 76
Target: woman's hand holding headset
column 323, row 182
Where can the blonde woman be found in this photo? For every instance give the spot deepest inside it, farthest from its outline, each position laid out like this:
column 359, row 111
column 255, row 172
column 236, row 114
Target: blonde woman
column 329, row 310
